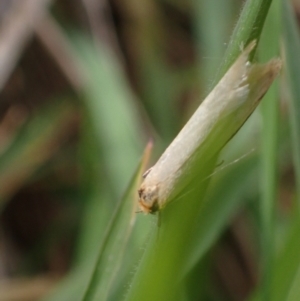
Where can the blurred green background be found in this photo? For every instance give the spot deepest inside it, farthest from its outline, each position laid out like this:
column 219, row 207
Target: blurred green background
column 85, row 85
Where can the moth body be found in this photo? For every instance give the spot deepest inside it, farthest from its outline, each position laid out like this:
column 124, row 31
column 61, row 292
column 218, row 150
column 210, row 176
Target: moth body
column 227, row 106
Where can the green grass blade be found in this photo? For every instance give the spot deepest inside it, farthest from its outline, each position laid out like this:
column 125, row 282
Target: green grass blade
column 248, row 28
column 223, row 200
column 292, row 49
column 97, row 278
column 295, row 289
column 288, row 263
column 111, row 252
column 162, row 263
column 99, row 202
column 286, row 267
column 294, row 292
column 269, row 151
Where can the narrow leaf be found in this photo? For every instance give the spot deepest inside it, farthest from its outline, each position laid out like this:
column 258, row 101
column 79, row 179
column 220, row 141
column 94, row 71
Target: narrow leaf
column 248, row 28
column 110, row 254
column 291, row 38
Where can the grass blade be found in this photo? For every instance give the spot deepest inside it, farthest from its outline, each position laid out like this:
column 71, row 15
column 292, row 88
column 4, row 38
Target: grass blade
column 286, row 267
column 115, row 240
column 288, row 264
column 248, row 28
column 223, row 200
column 269, row 155
column 292, row 49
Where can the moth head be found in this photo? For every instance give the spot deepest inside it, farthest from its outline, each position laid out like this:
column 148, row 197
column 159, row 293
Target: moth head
column 148, row 199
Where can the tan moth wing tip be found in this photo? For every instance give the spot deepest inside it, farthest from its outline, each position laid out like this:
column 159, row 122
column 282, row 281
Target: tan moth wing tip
column 273, row 67
column 250, row 47
column 276, row 65
column 247, row 50
column 150, row 142
column 244, row 55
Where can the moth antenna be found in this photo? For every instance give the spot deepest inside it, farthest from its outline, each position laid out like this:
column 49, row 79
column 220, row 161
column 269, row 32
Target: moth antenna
column 219, row 164
column 145, row 174
column 229, row 164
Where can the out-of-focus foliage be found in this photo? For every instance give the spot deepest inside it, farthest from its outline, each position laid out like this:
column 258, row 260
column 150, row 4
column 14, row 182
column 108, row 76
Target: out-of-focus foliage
column 85, row 85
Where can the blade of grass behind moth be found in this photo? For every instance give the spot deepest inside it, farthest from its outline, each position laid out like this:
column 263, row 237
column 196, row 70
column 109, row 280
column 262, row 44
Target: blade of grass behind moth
column 133, row 253
column 286, row 267
column 291, row 39
column 294, row 292
column 162, row 262
column 99, row 203
column 224, row 197
column 269, row 151
column 33, row 146
column 248, row 28
column 116, row 237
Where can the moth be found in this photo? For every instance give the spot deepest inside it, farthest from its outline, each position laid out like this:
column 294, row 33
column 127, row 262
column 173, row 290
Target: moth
column 228, row 105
